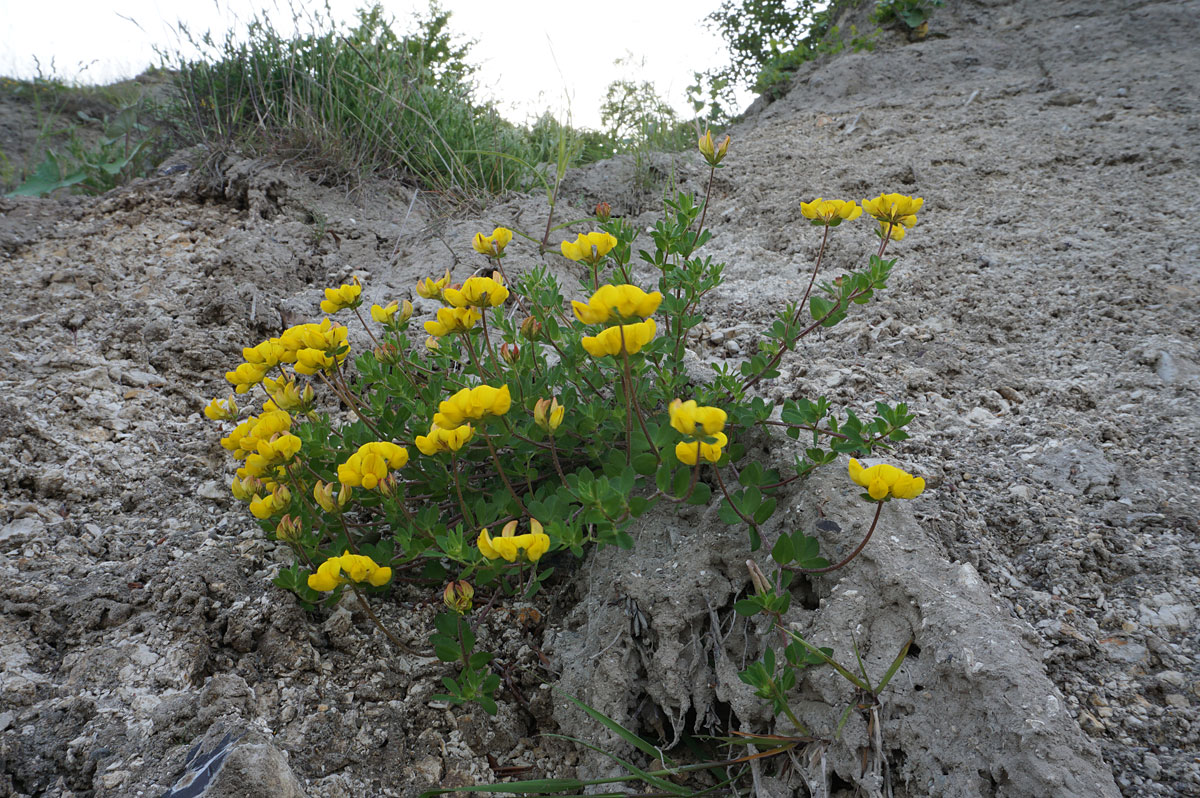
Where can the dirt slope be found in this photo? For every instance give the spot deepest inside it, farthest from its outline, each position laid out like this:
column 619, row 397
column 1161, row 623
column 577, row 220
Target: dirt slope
column 1042, row 322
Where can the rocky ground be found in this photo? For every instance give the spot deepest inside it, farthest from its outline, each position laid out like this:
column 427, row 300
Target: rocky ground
column 1042, row 323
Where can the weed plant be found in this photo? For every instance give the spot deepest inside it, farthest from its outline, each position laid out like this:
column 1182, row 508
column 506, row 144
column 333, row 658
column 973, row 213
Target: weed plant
column 527, row 422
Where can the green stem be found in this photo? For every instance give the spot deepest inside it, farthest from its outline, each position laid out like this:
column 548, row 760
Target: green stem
column 853, row 554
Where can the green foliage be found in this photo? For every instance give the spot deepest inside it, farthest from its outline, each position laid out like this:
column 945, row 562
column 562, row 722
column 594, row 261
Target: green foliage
column 911, row 14
column 768, row 41
column 356, row 101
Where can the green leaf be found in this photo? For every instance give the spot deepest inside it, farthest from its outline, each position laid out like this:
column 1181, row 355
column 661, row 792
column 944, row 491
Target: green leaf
column 679, row 484
column 747, row 607
column 447, row 652
column 701, row 494
column 782, row 551
column 764, row 511
column 727, row 514
column 616, row 728
column 645, row 464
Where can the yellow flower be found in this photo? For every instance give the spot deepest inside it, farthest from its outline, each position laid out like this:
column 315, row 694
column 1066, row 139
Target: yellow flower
column 510, row 545
column 221, row 409
column 270, row 453
column 712, row 153
column 548, row 414
column 268, row 353
column 452, row 320
column 245, row 489
column 494, row 244
column 894, row 209
column 310, row 361
column 480, row 292
column 289, row 528
column 589, row 248
column 324, row 336
column 622, row 301
column 472, row 403
column 395, row 313
column 245, row 376
column 609, row 342
column 342, row 297
column 444, row 440
column 685, row 451
column 830, row 212
column 348, row 568
column 431, row 342
column 883, row 480
column 369, row 465
column 895, row 232
column 432, row 289
column 696, row 420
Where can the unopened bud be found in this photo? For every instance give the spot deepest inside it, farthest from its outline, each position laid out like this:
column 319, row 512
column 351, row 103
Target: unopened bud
column 388, row 354
column 761, row 586
column 548, row 414
column 245, row 489
column 389, row 486
column 323, row 494
column 531, row 329
column 509, row 353
column 289, row 529
column 458, row 596
column 603, row 211
column 712, row 153
column 406, row 311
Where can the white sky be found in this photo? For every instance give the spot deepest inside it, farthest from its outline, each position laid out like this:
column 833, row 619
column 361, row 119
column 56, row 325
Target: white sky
column 533, row 53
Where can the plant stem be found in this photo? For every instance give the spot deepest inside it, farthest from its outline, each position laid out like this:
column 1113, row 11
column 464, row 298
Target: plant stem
column 725, row 491
column 500, row 471
column 853, row 554
column 375, row 620
column 365, row 327
column 458, row 487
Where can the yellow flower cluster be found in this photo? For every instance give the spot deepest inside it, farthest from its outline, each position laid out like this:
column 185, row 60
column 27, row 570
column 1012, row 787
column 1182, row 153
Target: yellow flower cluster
column 342, row 297
column 830, row 212
column 452, row 320
column 509, row 545
column 885, row 480
column 348, row 568
column 621, row 301
column 367, row 467
column 263, row 507
column 287, row 395
column 445, row 440
column 472, row 403
column 589, row 248
column 629, row 338
column 702, row 427
column 494, row 244
column 310, row 347
column 323, row 494
column 249, row 437
column 896, row 213
column 478, row 292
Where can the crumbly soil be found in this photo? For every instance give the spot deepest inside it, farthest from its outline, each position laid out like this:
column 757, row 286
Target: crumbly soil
column 1041, row 323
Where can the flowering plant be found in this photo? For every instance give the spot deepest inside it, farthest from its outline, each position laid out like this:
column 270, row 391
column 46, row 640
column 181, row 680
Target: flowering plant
column 573, row 417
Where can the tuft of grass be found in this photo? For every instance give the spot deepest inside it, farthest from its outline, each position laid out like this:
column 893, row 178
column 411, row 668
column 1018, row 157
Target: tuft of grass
column 359, row 101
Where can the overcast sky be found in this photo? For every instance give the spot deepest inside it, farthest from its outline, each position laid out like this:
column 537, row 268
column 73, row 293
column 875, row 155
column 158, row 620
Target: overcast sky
column 533, row 53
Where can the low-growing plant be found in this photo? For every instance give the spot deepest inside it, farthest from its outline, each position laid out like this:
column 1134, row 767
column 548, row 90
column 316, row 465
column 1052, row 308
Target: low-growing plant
column 912, row 14
column 526, row 423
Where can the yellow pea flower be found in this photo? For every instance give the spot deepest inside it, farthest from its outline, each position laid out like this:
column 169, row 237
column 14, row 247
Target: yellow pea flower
column 287, row 395
column 686, row 451
column 510, row 545
column 696, row 420
column 630, row 337
column 494, row 244
column 621, row 301
column 458, row 596
column 263, row 507
column 830, row 213
column 480, row 292
column 883, row 480
column 367, row 467
column 342, row 297
column 246, row 376
column 452, row 320
column 589, row 248
column 895, row 232
column 894, row 209
column 472, row 403
column 221, row 409
column 444, row 440
column 348, row 568
column 548, row 414
column 432, row 289
column 268, row 353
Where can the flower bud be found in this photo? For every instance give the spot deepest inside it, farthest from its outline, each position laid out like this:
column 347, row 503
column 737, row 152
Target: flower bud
column 761, row 586
column 509, row 353
column 548, row 414
column 289, row 529
column 458, row 596
column 244, row 489
column 531, row 329
column 389, row 486
column 387, row 353
column 323, row 494
column 603, row 211
column 712, row 153
column 406, row 311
